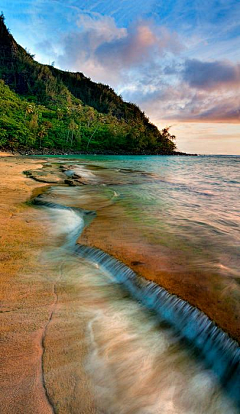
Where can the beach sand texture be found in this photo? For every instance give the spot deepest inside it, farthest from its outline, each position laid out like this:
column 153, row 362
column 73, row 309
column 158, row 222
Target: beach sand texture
column 37, row 363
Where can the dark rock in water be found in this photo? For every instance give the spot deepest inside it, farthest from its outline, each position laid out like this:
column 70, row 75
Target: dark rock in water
column 27, row 173
column 79, row 182
column 71, row 183
column 46, row 175
column 74, row 183
column 76, row 176
column 136, row 263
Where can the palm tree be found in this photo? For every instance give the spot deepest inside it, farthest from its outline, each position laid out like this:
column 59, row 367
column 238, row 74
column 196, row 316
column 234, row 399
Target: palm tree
column 30, row 108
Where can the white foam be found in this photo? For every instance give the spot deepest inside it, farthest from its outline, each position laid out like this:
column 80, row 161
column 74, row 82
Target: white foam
column 68, row 223
column 137, row 367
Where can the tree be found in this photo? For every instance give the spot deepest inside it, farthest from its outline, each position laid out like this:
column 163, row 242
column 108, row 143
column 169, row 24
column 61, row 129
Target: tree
column 33, row 124
column 30, row 108
column 95, row 130
column 42, row 133
column 166, row 134
column 90, row 115
column 72, row 127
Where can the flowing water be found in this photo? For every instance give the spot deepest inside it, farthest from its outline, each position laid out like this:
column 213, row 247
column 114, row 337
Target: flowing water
column 191, row 206
column 148, row 351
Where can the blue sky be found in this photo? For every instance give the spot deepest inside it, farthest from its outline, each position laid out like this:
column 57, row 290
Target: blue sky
column 178, row 60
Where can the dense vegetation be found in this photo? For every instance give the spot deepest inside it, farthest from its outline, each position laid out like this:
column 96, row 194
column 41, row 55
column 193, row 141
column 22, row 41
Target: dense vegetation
column 42, row 107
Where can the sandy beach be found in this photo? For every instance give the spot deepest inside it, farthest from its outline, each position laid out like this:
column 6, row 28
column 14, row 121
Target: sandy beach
column 37, row 363
column 25, row 305
column 43, row 346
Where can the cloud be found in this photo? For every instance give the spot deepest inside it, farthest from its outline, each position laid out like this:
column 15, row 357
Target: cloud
column 145, row 62
column 211, row 75
column 183, row 103
column 143, row 43
column 227, row 110
column 106, row 52
column 189, row 91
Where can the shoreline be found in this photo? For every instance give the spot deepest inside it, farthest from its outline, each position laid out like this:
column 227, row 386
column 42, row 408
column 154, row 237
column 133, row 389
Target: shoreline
column 34, row 295
column 194, row 327
column 45, row 152
column 152, row 261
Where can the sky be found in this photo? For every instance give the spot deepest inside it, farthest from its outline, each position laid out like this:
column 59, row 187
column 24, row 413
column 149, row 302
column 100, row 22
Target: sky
column 178, row 60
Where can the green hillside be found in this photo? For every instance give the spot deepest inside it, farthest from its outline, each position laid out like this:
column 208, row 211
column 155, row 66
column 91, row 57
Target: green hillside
column 42, row 107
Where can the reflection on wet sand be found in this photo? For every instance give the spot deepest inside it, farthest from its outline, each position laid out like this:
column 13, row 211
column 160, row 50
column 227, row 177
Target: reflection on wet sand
column 183, row 263
column 132, row 362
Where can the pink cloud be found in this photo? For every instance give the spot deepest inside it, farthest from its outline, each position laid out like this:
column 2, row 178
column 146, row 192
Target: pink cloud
column 182, row 102
column 104, row 51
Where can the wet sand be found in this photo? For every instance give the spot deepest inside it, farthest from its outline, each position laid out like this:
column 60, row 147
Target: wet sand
column 117, row 234
column 40, row 372
column 43, row 345
column 24, row 304
column 217, row 298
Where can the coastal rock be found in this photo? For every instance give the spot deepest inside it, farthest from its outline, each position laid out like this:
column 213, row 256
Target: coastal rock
column 71, row 183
